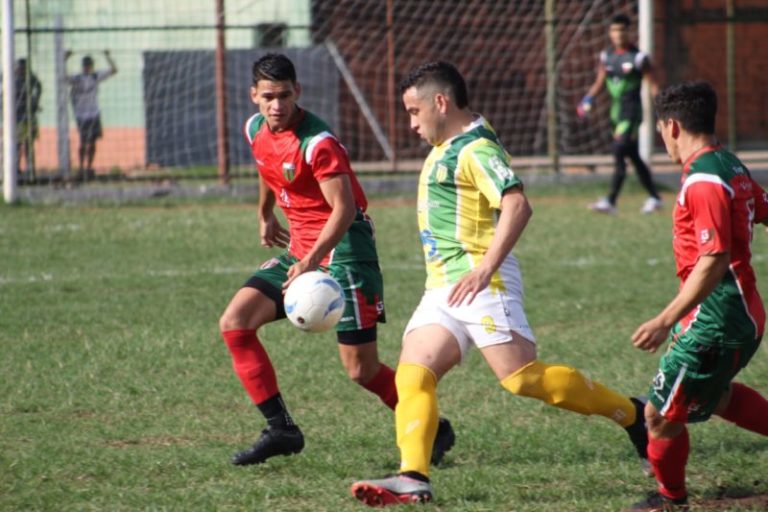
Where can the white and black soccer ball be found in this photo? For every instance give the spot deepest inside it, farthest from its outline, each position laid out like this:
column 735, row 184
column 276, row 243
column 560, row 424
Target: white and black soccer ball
column 314, row 302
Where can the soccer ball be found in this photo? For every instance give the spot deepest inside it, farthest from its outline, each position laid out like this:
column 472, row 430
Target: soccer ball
column 314, row 302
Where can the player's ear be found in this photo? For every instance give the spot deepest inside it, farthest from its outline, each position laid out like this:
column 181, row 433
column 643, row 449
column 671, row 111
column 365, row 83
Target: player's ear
column 297, row 89
column 675, row 128
column 441, row 102
column 254, row 94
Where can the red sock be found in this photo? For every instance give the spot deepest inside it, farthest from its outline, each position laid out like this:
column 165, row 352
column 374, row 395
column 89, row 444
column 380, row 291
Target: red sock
column 383, row 385
column 251, row 364
column 748, row 409
column 668, row 458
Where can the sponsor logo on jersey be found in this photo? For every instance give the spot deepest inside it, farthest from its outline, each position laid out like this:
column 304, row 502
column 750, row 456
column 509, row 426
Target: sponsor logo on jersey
column 430, row 244
column 289, row 171
column 488, row 324
column 501, row 169
column 627, row 67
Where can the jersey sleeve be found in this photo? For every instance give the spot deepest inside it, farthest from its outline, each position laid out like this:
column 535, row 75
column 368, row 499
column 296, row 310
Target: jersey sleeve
column 761, row 203
column 487, row 167
column 327, row 157
column 710, row 207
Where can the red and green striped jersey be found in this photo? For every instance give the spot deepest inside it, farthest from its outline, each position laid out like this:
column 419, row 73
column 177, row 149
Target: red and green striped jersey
column 292, row 163
column 716, row 208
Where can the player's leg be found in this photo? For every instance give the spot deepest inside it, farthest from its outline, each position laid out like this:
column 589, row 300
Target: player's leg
column 653, row 203
column 621, row 141
column 356, row 331
column 258, row 302
column 81, row 129
column 741, row 404
column 429, row 351
column 508, row 345
column 687, row 388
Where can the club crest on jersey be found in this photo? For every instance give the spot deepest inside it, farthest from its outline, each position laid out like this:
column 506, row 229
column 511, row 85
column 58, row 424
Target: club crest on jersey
column 626, row 67
column 289, row 171
column 706, row 235
column 440, row 173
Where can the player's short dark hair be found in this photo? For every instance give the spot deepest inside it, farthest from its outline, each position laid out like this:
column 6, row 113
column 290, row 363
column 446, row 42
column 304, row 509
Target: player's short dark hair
column 274, row 67
column 692, row 104
column 621, row 19
column 87, row 60
column 439, row 73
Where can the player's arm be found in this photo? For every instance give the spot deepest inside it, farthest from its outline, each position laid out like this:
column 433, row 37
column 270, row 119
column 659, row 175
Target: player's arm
column 112, row 66
column 710, row 207
column 585, row 105
column 514, row 216
column 337, row 192
column 273, row 234
column 649, row 76
column 706, row 274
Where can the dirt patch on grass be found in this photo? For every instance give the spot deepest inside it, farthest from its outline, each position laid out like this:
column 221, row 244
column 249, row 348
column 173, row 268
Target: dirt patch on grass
column 756, row 502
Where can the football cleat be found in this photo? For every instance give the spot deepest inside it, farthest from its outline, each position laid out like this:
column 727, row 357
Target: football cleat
column 651, row 205
column 603, row 205
column 638, row 434
column 656, row 502
column 444, row 440
column 395, row 490
column 273, row 441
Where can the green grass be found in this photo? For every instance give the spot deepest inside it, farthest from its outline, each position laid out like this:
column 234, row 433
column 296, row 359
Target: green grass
column 116, row 392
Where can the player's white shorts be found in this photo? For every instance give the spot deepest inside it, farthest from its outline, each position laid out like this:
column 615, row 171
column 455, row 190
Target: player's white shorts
column 489, row 320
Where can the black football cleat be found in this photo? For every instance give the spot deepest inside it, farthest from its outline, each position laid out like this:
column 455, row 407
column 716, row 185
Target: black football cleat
column 655, row 502
column 272, row 442
column 444, row 440
column 638, row 434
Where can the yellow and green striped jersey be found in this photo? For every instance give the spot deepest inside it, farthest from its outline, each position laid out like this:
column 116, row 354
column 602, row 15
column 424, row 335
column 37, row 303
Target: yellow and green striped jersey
column 460, row 189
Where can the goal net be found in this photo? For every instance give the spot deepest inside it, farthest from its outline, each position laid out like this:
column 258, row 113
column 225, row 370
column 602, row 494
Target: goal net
column 159, row 110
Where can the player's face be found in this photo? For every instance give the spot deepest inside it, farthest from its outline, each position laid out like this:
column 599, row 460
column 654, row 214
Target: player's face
column 619, row 35
column 670, row 132
column 426, row 117
column 277, row 102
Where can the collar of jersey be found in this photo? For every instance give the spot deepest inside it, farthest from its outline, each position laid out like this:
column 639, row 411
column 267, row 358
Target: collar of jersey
column 477, row 123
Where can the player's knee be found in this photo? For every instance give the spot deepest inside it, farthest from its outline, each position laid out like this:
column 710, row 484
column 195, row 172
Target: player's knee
column 358, row 372
column 527, row 381
column 232, row 319
column 412, row 379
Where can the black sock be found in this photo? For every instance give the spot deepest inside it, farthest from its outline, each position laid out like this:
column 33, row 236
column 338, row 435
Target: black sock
column 415, row 475
column 276, row 413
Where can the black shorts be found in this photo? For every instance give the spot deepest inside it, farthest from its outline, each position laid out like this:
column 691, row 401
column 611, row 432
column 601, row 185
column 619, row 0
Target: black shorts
column 90, row 129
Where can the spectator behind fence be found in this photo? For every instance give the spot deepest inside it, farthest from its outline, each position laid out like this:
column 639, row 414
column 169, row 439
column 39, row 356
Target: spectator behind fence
column 85, row 104
column 27, row 103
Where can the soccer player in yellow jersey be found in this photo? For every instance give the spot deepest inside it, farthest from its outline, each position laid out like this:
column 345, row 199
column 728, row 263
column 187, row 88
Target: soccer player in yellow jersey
column 471, row 212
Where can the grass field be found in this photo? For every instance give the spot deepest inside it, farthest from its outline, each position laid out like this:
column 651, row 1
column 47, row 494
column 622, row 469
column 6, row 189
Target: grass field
column 116, row 392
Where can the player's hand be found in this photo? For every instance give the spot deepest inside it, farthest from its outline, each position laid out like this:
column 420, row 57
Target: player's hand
column 273, row 234
column 584, row 107
column 298, row 268
column 469, row 286
column 651, row 335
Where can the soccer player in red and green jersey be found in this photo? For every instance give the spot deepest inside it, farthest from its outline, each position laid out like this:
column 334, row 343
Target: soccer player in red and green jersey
column 717, row 317
column 305, row 170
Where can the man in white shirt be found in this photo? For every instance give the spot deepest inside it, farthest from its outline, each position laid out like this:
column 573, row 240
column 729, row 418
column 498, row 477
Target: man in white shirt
column 84, row 92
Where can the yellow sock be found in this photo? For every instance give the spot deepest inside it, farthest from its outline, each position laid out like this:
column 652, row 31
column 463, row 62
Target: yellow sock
column 415, row 416
column 568, row 388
